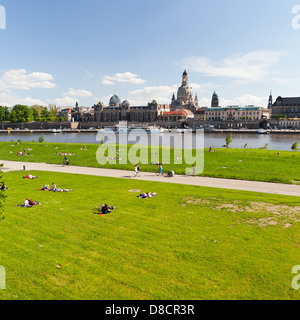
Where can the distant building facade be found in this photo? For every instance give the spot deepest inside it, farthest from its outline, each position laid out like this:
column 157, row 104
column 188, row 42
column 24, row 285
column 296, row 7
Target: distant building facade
column 176, row 116
column 235, row 113
column 286, row 107
column 289, row 124
column 200, row 113
column 66, row 113
column 123, row 111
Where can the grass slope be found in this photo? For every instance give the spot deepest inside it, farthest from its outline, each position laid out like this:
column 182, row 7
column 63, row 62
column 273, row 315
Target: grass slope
column 186, row 243
column 257, row 165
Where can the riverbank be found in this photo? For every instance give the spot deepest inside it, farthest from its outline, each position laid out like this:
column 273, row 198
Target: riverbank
column 225, row 131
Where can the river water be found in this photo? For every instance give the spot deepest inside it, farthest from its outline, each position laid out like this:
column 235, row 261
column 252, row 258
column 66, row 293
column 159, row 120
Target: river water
column 280, row 142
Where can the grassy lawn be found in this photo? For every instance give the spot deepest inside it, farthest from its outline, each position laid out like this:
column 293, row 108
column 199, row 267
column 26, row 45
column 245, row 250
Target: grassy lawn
column 256, row 164
column 186, row 243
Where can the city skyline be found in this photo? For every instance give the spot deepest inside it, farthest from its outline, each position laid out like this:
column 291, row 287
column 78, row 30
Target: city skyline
column 60, row 53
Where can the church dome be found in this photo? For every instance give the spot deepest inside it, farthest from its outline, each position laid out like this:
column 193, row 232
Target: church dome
column 114, row 101
column 184, row 92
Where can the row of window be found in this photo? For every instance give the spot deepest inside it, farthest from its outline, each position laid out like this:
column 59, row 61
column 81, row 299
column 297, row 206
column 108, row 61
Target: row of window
column 247, row 113
column 238, row 118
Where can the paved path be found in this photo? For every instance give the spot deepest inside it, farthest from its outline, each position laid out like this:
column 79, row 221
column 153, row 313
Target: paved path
column 261, row 187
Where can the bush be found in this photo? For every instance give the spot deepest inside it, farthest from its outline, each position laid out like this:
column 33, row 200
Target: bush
column 295, row 146
column 41, row 138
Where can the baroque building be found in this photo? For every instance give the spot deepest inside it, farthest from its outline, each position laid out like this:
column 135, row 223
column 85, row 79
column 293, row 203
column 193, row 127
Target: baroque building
column 185, row 99
column 286, row 107
column 123, row 111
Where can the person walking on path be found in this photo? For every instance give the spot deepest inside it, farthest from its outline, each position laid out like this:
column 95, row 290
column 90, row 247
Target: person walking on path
column 136, row 171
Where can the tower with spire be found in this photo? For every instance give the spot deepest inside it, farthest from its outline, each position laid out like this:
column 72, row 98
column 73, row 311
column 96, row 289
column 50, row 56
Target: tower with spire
column 215, row 100
column 185, row 99
column 270, row 103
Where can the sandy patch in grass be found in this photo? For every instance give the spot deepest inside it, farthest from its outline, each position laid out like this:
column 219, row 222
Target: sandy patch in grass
column 283, row 215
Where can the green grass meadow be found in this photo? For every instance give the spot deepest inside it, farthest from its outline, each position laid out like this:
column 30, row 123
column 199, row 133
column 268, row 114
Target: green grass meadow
column 256, row 164
column 185, row 243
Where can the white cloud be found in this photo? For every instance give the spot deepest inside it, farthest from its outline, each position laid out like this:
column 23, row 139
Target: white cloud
column 126, row 77
column 78, row 93
column 65, row 101
column 243, row 100
column 21, row 79
column 104, row 99
column 162, row 94
column 250, row 67
column 71, row 97
column 8, row 99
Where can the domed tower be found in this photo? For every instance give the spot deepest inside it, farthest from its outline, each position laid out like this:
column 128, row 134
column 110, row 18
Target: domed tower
column 185, row 91
column 115, row 101
column 215, row 100
column 126, row 105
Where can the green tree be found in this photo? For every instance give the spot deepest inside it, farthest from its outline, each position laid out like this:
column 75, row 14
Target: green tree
column 38, row 108
column 13, row 116
column 7, row 114
column 35, row 113
column 53, row 110
column 228, row 140
column 21, row 113
column 45, row 113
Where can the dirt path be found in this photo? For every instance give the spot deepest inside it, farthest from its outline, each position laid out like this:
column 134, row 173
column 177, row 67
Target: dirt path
column 261, row 187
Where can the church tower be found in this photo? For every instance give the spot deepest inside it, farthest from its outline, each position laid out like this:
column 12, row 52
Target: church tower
column 173, row 99
column 270, row 104
column 215, row 100
column 185, row 78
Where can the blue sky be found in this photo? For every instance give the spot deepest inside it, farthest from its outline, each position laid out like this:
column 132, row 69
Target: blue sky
column 57, row 52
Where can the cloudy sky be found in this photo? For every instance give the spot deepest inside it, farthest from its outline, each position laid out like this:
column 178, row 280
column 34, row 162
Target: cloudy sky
column 60, row 52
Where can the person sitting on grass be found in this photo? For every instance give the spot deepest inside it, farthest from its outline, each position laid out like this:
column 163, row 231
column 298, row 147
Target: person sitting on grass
column 29, row 176
column 45, row 188
column 104, row 209
column 4, row 187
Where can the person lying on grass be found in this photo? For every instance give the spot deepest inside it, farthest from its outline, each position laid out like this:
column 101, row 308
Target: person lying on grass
column 54, row 188
column 146, row 195
column 29, row 176
column 29, row 203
